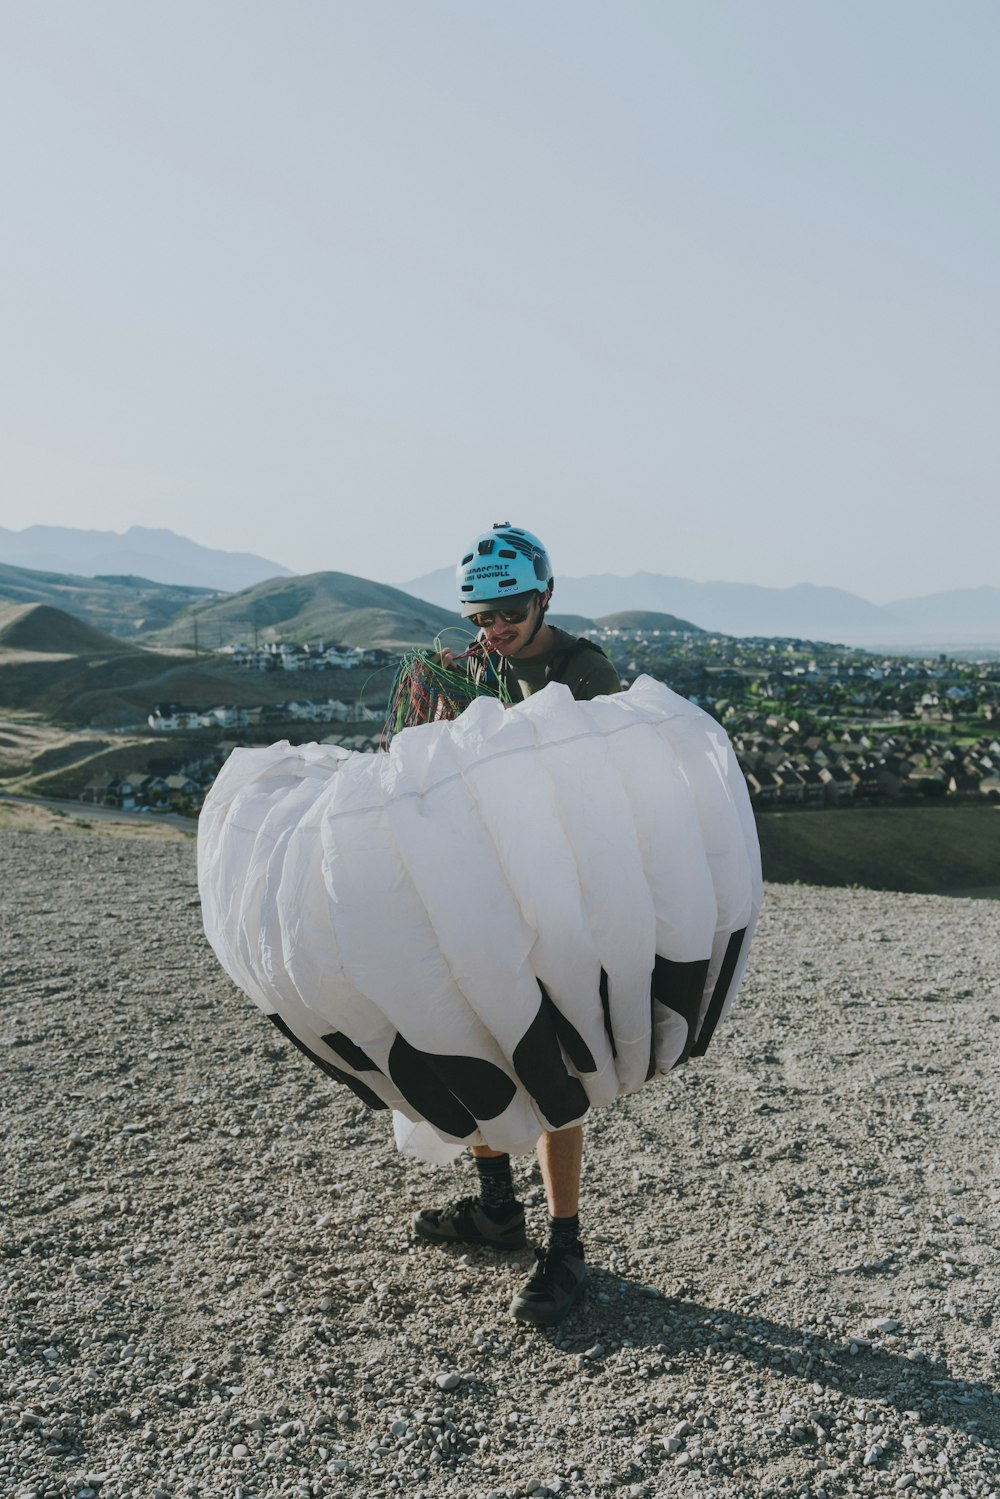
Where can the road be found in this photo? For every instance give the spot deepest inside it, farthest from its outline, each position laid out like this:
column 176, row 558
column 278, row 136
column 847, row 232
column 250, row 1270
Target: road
column 90, row 812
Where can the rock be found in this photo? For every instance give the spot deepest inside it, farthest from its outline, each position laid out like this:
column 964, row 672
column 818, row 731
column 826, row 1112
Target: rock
column 448, row 1381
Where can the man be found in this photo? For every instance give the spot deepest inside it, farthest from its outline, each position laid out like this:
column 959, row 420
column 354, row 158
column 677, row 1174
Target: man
column 505, row 584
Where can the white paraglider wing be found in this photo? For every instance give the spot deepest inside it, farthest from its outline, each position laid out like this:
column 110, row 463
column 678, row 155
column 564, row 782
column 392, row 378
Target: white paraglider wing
column 500, row 922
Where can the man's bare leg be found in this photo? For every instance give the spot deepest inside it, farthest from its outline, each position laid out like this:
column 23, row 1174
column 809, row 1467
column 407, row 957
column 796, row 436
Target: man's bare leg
column 560, row 1157
column 559, row 1278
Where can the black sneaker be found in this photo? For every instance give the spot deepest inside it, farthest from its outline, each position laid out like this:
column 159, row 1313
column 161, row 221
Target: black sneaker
column 552, row 1290
column 468, row 1222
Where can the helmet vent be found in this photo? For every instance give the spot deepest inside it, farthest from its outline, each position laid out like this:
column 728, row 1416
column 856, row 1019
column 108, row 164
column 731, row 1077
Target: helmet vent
column 520, row 543
column 506, row 552
column 466, row 560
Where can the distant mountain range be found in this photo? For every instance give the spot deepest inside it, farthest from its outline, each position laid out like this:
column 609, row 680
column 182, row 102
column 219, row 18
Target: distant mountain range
column 334, row 607
column 965, row 616
column 151, row 584
column 159, row 555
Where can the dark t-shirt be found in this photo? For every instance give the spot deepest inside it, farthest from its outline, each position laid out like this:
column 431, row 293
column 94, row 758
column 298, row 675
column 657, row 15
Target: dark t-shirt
column 584, row 669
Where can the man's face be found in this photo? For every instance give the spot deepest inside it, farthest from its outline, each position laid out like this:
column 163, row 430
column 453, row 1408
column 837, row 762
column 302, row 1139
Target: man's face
column 509, row 637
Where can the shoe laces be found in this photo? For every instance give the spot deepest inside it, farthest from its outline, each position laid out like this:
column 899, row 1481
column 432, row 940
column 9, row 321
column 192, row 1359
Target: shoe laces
column 547, row 1258
column 463, row 1205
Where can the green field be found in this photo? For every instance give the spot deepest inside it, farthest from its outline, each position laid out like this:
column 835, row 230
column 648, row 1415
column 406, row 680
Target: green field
column 923, row 849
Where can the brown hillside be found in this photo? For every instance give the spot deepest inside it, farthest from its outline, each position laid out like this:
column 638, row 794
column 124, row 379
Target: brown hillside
column 317, row 606
column 648, row 619
column 118, row 690
column 50, row 631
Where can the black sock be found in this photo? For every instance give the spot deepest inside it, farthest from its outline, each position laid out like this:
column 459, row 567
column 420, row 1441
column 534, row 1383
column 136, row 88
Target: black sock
column 496, row 1184
column 564, row 1233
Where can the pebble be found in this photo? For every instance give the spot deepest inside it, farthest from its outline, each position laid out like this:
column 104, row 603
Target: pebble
column 448, row 1381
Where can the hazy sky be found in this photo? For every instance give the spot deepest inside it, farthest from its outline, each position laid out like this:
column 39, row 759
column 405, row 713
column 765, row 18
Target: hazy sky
column 704, row 288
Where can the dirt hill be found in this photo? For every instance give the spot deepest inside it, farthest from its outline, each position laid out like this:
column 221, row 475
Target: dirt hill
column 50, row 631
column 647, row 619
column 333, row 607
column 124, row 606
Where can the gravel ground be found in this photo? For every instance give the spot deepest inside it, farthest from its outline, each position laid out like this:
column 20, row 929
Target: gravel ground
column 209, row 1287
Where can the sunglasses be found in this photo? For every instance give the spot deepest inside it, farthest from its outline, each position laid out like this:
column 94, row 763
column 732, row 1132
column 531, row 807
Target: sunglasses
column 509, row 617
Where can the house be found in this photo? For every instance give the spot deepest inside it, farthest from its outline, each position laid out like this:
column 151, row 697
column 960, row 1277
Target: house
column 292, row 657
column 763, row 786
column 818, row 750
column 225, row 716
column 172, row 716
column 924, row 782
column 131, row 789
column 792, row 786
column 964, row 785
column 868, row 783
column 340, row 656
column 100, row 790
column 182, row 788
column 837, row 783
column 888, row 781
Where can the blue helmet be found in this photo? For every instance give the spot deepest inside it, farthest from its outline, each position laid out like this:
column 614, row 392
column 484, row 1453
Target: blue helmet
column 501, row 563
